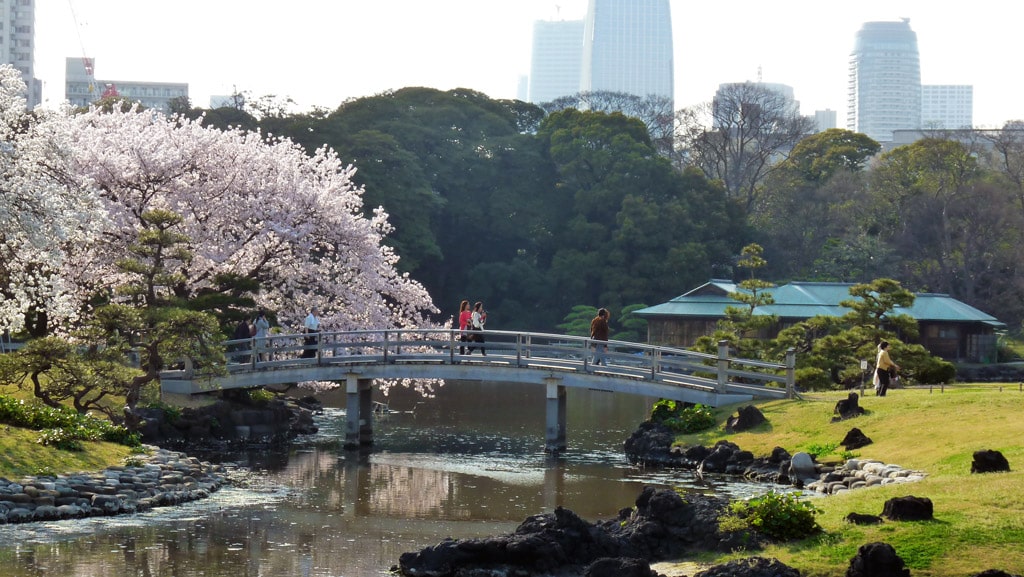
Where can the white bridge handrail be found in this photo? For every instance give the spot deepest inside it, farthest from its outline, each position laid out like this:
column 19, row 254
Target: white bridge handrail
column 721, row 373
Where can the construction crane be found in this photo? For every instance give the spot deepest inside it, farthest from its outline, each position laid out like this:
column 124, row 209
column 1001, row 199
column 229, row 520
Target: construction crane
column 87, row 62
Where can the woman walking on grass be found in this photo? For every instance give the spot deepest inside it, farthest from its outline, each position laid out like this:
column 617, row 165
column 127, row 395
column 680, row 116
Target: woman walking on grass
column 885, row 369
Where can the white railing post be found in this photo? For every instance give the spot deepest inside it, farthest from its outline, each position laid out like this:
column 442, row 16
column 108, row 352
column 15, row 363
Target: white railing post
column 655, row 363
column 723, row 366
column 791, row 373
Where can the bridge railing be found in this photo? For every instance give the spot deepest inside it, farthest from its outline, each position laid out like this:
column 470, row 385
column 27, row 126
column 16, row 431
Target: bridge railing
column 719, row 373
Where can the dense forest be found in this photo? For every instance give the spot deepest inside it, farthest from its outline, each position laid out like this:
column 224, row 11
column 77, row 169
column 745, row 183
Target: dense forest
column 535, row 211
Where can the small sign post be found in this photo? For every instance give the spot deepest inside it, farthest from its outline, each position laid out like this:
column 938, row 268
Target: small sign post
column 863, row 373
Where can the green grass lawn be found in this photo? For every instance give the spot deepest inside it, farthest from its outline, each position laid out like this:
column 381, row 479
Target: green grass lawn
column 21, row 455
column 979, row 519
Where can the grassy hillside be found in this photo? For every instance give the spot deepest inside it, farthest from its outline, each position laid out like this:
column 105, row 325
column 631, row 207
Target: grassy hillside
column 21, row 455
column 979, row 519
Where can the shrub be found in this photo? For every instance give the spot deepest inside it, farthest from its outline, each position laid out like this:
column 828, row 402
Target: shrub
column 260, row 395
column 61, row 439
column 171, row 413
column 781, row 516
column 62, row 428
column 935, row 371
column 681, row 417
column 122, row 436
column 821, row 449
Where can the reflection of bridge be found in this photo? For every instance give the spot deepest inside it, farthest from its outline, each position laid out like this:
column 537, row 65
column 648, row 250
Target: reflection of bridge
column 556, row 361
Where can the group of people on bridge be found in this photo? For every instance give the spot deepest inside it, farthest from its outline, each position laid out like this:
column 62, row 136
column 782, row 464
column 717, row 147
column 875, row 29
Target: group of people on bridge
column 258, row 329
column 471, row 326
column 472, row 322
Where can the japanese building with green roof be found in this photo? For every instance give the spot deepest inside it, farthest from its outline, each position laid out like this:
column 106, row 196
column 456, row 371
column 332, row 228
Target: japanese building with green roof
column 949, row 328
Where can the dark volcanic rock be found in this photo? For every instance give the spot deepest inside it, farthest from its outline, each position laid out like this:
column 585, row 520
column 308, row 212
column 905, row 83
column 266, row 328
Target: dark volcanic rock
column 721, row 456
column 619, row 567
column 751, row 567
column 662, row 526
column 849, row 407
column 989, row 462
column 747, row 418
column 995, row 573
column 908, row 508
column 771, row 469
column 650, row 444
column 863, row 519
column 877, row 560
column 233, row 420
column 855, row 439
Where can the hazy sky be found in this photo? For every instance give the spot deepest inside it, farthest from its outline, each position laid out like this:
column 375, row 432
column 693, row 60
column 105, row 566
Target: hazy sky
column 321, row 52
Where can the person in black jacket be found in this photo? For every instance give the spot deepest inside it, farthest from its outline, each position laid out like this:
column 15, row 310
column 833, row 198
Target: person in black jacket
column 599, row 332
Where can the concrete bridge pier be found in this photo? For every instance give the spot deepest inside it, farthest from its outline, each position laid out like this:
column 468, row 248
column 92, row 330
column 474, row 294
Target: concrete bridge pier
column 358, row 412
column 554, row 438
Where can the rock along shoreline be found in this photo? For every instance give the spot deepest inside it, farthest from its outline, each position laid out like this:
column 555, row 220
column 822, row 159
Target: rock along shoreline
column 162, row 478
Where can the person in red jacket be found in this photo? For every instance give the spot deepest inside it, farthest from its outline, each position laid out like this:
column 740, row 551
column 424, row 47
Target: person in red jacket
column 465, row 315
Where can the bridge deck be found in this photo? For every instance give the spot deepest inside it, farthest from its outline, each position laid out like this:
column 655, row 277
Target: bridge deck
column 517, row 357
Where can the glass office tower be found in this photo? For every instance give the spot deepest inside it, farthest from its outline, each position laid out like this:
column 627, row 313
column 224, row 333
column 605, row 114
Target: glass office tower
column 627, row 47
column 555, row 68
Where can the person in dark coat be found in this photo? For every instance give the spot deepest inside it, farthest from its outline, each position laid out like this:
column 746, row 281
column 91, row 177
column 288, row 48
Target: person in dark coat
column 599, row 332
column 242, row 332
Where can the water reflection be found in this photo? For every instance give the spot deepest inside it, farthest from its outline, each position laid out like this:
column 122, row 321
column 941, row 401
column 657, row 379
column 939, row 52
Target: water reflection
column 469, row 463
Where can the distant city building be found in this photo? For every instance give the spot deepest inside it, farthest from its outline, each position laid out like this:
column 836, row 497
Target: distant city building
column 825, row 119
column 978, row 139
column 627, row 47
column 224, row 101
column 556, row 63
column 17, row 44
column 947, row 106
column 885, row 80
column 82, row 88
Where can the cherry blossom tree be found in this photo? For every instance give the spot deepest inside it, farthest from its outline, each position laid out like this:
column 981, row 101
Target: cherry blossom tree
column 40, row 217
column 253, row 207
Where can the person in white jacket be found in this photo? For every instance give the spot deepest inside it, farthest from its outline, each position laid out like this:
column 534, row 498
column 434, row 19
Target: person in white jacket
column 478, row 321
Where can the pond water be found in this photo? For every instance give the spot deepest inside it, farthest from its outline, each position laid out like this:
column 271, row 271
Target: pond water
column 466, row 464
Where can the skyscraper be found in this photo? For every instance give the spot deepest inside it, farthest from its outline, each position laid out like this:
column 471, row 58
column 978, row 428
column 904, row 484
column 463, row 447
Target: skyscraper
column 627, row 47
column 885, row 80
column 556, row 61
column 17, row 43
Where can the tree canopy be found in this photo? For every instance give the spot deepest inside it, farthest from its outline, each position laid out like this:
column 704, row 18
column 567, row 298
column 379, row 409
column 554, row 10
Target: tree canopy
column 251, row 207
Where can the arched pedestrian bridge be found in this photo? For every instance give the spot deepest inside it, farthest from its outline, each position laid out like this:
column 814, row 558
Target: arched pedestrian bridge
column 357, row 358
